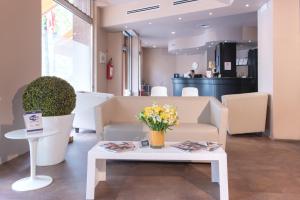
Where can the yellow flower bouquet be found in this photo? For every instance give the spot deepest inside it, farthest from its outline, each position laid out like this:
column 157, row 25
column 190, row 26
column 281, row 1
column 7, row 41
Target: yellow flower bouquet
column 159, row 119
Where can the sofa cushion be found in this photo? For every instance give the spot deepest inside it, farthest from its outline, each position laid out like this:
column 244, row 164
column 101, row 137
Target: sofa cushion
column 193, row 131
column 130, row 131
column 182, row 132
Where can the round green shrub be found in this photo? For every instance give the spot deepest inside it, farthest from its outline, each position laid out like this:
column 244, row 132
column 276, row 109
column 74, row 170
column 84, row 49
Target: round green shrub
column 52, row 95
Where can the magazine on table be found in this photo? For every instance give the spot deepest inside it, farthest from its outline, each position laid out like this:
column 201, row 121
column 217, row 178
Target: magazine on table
column 118, row 146
column 190, row 146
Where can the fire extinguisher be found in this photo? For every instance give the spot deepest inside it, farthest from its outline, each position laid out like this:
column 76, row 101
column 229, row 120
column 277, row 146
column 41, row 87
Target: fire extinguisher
column 109, row 70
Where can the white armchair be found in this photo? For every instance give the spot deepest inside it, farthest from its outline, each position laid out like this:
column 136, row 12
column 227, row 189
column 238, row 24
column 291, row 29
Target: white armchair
column 85, row 109
column 246, row 112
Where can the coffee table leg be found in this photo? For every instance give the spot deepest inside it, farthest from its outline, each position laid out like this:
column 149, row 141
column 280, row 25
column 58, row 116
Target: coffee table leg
column 223, row 177
column 101, row 170
column 91, row 177
column 215, row 171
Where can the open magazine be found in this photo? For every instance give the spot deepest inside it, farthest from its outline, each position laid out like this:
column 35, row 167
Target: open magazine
column 190, row 146
column 118, row 146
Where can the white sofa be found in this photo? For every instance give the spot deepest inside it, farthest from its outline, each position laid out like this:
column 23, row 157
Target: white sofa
column 200, row 119
column 247, row 112
column 86, row 103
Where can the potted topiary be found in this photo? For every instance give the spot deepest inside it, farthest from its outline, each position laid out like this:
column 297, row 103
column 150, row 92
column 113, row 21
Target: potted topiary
column 56, row 99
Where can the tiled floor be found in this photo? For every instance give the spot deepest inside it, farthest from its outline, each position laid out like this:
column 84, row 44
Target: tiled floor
column 259, row 169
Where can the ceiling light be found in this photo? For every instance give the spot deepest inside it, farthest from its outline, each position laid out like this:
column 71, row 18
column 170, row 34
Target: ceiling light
column 249, row 41
column 154, row 46
column 225, row 41
column 204, row 25
column 149, row 23
column 212, row 43
column 210, row 13
column 209, row 46
column 179, row 18
column 126, row 26
column 173, row 32
column 247, row 5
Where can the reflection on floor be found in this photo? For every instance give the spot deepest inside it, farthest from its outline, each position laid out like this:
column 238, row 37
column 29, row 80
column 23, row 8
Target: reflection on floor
column 258, row 169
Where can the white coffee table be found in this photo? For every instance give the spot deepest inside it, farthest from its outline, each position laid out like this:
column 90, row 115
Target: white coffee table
column 97, row 156
column 33, row 182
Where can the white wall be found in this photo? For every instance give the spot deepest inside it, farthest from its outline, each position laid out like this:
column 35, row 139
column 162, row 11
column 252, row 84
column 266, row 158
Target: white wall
column 279, row 65
column 286, row 52
column 100, row 46
column 265, row 47
column 20, row 63
column 184, row 63
column 265, row 57
column 114, row 51
column 159, row 66
column 135, row 66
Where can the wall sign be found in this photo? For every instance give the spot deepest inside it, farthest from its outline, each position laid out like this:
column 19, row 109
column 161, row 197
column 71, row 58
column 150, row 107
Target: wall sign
column 227, row 66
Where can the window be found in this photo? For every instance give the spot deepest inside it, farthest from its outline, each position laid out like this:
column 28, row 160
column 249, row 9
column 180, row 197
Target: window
column 66, row 45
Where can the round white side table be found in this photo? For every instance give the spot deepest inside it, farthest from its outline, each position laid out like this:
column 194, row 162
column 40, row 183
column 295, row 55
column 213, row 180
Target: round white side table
column 34, row 181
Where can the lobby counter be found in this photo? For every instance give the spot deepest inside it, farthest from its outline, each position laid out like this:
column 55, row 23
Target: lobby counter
column 215, row 86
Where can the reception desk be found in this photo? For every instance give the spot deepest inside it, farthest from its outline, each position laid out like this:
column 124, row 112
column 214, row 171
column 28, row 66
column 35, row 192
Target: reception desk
column 215, row 86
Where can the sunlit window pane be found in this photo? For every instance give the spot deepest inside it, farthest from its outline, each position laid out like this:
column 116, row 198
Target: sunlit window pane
column 66, row 46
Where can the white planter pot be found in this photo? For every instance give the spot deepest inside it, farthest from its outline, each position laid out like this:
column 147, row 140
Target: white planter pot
column 51, row 150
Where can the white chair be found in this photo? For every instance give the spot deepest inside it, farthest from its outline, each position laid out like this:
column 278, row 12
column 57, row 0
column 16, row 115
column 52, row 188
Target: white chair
column 86, row 103
column 159, row 91
column 189, row 92
column 246, row 112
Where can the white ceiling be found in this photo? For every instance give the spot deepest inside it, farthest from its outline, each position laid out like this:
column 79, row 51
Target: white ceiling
column 160, row 30
column 113, row 2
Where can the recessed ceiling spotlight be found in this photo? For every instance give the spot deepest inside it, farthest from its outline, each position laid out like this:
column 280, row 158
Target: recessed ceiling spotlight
column 249, row 41
column 204, row 26
column 225, row 41
column 173, row 32
column 209, row 46
column 149, row 23
column 211, row 43
column 210, row 13
column 179, row 18
column 154, row 46
column 247, row 5
column 125, row 26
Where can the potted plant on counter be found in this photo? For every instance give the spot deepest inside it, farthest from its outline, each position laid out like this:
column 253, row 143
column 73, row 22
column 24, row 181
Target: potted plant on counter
column 159, row 119
column 56, row 99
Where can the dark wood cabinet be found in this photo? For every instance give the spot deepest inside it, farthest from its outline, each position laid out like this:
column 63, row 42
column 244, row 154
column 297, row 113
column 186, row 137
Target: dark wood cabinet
column 226, row 53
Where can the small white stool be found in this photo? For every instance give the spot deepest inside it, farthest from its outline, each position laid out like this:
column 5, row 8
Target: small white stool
column 33, row 182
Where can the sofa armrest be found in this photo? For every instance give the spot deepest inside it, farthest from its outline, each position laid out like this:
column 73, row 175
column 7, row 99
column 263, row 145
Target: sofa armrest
column 219, row 118
column 103, row 116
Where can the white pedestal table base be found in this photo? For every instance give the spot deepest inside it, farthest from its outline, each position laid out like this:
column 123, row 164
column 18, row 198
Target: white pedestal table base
column 28, row 183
